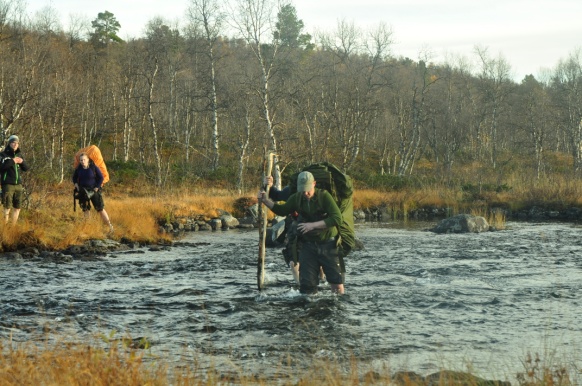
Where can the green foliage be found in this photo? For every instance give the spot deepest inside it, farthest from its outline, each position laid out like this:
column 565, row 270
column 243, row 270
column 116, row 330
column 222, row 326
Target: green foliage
column 184, row 173
column 106, row 27
column 124, row 171
column 170, row 214
column 221, row 174
column 289, row 29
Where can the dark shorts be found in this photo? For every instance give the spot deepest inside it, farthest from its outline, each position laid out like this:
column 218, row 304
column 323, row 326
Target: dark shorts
column 314, row 255
column 96, row 199
column 12, row 196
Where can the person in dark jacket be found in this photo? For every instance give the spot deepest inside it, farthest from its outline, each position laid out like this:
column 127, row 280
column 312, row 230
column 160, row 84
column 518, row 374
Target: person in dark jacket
column 317, row 227
column 11, row 165
column 88, row 180
column 274, row 193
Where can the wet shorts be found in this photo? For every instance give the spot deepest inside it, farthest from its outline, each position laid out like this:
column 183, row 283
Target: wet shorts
column 12, row 196
column 313, row 255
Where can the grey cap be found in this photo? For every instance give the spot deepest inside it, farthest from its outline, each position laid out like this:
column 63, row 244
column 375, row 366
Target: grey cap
column 305, row 182
column 13, row 138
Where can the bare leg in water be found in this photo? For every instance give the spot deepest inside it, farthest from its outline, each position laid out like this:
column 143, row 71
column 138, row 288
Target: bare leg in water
column 295, row 271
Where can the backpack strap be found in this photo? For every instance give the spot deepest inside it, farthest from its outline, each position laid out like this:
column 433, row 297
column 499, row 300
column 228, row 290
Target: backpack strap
column 92, row 166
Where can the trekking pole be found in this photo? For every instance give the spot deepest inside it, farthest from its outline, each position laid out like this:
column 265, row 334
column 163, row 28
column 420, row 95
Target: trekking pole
column 74, row 201
column 263, row 224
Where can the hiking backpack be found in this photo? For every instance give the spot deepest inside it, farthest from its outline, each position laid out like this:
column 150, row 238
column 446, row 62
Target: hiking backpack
column 97, row 159
column 329, row 177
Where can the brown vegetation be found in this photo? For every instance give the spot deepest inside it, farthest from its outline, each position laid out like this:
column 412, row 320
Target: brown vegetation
column 50, row 222
column 124, row 362
column 73, row 364
column 53, row 224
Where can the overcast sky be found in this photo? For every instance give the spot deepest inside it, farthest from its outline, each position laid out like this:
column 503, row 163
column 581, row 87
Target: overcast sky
column 529, row 34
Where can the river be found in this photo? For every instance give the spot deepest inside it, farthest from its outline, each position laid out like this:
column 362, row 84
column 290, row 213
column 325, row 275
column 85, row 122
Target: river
column 414, row 301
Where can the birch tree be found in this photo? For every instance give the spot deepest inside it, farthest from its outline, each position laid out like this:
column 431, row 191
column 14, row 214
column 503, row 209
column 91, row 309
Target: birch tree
column 254, row 20
column 207, row 18
column 128, row 84
column 449, row 111
column 568, row 83
column 496, row 85
column 356, row 85
column 535, row 119
column 410, row 109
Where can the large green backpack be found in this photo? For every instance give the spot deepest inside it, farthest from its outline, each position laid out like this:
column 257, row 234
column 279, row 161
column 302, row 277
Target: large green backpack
column 340, row 186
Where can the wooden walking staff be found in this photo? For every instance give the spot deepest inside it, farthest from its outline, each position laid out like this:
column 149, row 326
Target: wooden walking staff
column 268, row 165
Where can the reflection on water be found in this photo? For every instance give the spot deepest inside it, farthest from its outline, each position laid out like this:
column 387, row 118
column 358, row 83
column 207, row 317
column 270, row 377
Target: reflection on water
column 415, row 300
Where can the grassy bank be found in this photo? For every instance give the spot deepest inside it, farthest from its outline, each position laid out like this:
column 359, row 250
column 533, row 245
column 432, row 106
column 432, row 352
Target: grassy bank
column 50, row 222
column 119, row 362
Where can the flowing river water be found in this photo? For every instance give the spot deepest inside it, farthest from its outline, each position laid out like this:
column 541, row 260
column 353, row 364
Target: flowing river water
column 414, row 301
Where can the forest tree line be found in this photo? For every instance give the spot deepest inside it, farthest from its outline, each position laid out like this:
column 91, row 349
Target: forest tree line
column 208, row 100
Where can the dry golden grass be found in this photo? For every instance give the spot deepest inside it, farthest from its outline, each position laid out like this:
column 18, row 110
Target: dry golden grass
column 495, row 218
column 555, row 191
column 75, row 364
column 118, row 362
column 402, row 202
column 67, row 363
column 51, row 223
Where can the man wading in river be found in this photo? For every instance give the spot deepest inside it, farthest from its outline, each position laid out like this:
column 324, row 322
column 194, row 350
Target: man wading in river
column 318, row 222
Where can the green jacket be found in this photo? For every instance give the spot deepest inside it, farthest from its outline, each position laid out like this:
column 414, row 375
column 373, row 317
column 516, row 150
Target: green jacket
column 321, row 206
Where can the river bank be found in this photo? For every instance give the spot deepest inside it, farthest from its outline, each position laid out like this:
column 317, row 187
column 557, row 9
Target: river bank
column 170, row 229
column 378, row 213
column 49, row 223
